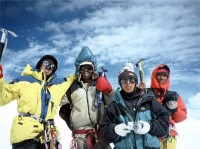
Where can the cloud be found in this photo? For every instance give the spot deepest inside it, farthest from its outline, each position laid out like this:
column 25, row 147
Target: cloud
column 194, row 102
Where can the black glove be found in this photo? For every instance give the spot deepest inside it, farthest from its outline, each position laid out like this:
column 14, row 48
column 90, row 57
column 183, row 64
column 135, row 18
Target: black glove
column 170, row 101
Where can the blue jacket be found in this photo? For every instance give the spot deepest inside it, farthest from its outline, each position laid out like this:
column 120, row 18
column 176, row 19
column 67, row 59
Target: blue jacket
column 147, row 109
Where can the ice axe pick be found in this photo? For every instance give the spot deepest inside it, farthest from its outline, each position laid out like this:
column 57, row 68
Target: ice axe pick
column 4, row 40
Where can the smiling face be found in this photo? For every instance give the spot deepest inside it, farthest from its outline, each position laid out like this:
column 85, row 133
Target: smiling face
column 128, row 84
column 86, row 72
column 47, row 67
column 162, row 77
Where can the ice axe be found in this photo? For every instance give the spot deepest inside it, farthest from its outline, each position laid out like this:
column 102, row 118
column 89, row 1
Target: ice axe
column 141, row 71
column 4, row 40
column 99, row 94
column 103, row 71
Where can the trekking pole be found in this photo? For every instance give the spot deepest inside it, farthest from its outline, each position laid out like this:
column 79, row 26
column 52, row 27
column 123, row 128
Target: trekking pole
column 4, row 40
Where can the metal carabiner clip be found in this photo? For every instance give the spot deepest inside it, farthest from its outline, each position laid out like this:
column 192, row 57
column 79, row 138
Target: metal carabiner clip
column 74, row 144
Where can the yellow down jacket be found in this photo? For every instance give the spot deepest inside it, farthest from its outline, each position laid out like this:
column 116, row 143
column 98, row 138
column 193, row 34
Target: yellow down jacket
column 34, row 96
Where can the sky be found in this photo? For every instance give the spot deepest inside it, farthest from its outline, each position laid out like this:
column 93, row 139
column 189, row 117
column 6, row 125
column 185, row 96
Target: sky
column 164, row 31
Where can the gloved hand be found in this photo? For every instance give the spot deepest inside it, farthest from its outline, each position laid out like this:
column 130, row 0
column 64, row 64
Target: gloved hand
column 172, row 106
column 103, row 85
column 141, row 127
column 170, row 101
column 142, row 85
column 122, row 129
column 1, row 71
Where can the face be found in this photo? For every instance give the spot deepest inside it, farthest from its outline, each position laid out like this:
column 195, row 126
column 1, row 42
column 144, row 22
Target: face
column 128, row 84
column 162, row 77
column 47, row 66
column 86, row 72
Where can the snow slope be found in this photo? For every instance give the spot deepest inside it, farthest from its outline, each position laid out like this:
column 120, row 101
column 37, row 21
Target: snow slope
column 189, row 130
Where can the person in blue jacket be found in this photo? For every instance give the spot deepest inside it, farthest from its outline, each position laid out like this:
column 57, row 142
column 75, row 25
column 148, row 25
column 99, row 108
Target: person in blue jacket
column 38, row 92
column 134, row 119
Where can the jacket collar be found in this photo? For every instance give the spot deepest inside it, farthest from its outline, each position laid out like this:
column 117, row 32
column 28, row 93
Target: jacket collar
column 39, row 75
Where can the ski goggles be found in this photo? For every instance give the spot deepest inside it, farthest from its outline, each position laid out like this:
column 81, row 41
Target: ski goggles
column 49, row 65
column 126, row 79
column 86, row 67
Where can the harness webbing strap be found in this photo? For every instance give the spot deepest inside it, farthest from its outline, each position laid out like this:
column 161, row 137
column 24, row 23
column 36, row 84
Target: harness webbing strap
column 42, row 121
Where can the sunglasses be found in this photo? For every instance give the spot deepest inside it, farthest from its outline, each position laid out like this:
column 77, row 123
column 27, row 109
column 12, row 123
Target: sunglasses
column 84, row 67
column 126, row 79
column 162, row 74
column 49, row 65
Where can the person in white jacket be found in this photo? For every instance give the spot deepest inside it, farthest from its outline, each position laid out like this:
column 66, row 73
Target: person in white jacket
column 85, row 104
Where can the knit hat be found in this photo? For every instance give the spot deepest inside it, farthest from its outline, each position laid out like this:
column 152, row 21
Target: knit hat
column 127, row 71
column 47, row 57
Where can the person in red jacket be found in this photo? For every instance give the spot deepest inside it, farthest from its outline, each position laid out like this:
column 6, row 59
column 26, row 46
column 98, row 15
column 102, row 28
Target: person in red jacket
column 160, row 82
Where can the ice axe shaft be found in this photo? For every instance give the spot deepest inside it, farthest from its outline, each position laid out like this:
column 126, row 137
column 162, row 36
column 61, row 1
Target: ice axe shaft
column 4, row 39
column 141, row 71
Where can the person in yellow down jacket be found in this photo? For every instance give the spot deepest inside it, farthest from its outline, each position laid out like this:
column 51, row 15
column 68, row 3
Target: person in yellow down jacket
column 38, row 92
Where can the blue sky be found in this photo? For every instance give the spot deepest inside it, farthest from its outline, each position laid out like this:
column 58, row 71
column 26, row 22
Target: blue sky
column 164, row 31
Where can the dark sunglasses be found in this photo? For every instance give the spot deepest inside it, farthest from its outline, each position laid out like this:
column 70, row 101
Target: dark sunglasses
column 49, row 65
column 84, row 67
column 126, row 79
column 162, row 74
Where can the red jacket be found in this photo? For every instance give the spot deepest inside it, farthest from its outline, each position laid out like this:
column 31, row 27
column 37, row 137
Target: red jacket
column 161, row 89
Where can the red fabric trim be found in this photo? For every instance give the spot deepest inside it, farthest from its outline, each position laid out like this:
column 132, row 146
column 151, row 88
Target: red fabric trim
column 83, row 131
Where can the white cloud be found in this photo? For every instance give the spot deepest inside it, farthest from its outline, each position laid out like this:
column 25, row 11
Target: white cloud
column 194, row 102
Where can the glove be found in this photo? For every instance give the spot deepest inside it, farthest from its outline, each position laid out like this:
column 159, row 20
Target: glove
column 1, row 72
column 141, row 127
column 122, row 129
column 142, row 85
column 172, row 106
column 103, row 85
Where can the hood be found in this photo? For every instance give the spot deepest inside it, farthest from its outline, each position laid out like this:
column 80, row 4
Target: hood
column 47, row 57
column 155, row 84
column 85, row 55
column 118, row 98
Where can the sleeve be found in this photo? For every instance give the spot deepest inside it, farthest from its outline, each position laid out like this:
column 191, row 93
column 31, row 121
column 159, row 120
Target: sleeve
column 66, row 85
column 107, row 133
column 8, row 92
column 64, row 100
column 160, row 124
column 108, row 97
column 181, row 113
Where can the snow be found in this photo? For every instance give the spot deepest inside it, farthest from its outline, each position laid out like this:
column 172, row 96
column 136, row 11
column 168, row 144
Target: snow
column 188, row 138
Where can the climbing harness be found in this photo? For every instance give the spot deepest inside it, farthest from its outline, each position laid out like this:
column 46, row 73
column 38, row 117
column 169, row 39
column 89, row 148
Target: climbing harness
column 49, row 135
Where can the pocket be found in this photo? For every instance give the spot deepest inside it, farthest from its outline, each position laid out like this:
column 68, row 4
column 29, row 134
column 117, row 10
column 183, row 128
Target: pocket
column 24, row 128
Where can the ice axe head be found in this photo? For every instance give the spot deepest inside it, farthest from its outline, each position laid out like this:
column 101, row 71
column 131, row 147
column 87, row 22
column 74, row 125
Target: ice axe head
column 103, row 71
column 4, row 40
column 141, row 71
